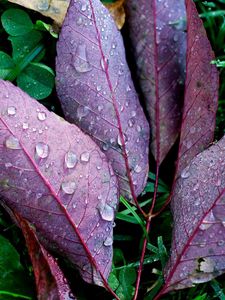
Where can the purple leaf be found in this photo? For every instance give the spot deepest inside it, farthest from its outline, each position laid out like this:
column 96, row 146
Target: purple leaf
column 159, row 43
column 57, row 178
column 197, row 253
column 97, row 93
column 201, row 92
column 50, row 281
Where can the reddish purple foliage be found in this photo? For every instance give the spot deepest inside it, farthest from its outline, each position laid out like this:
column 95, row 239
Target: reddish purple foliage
column 159, row 42
column 201, row 92
column 97, row 93
column 50, row 281
column 197, row 253
column 57, row 178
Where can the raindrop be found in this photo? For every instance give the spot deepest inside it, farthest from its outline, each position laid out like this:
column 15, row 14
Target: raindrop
column 43, row 5
column 11, row 110
column 41, row 116
column 208, row 221
column 105, row 146
column 84, row 7
column 104, row 63
column 221, row 243
column 119, row 141
column 25, row 126
column 85, row 157
column 98, row 88
column 106, row 212
column 70, row 159
column 81, row 63
column 42, row 150
column 131, row 122
column 185, row 173
column 100, row 108
column 108, row 241
column 137, row 169
column 12, row 142
column 82, row 111
column 8, row 165
column 79, row 21
column 68, row 187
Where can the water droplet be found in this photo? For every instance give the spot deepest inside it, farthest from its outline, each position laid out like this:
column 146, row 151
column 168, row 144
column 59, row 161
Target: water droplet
column 185, row 173
column 98, row 88
column 108, row 241
column 105, row 146
column 25, row 125
column 100, row 108
column 11, row 110
column 42, row 150
column 41, row 116
column 81, row 62
column 221, row 243
column 12, row 142
column 133, row 113
column 119, row 141
column 84, row 7
column 82, row 111
column 70, row 159
column 106, row 212
column 79, row 21
column 104, row 63
column 131, row 122
column 8, row 165
column 85, row 157
column 68, row 187
column 137, row 169
column 43, row 5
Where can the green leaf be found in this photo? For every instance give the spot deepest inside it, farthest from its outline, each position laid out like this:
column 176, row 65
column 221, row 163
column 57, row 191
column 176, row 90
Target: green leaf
column 23, row 45
column 16, row 22
column 113, row 281
column 127, row 276
column 40, row 25
column 37, row 80
column 125, row 292
column 13, row 279
column 6, row 64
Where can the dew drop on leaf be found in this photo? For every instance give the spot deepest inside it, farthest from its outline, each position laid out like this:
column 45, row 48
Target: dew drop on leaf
column 185, row 173
column 106, row 212
column 81, row 63
column 70, row 159
column 108, row 241
column 42, row 150
column 41, row 116
column 11, row 110
column 85, row 157
column 68, row 187
column 25, row 125
column 12, row 142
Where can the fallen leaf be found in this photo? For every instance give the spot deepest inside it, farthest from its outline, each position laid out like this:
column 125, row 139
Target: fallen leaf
column 156, row 30
column 50, row 281
column 201, row 92
column 56, row 9
column 117, row 11
column 53, row 9
column 95, row 88
column 197, row 253
column 57, row 178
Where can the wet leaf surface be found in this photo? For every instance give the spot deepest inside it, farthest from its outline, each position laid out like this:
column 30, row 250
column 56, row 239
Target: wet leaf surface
column 57, row 178
column 96, row 91
column 201, row 92
column 50, row 281
column 197, row 253
column 159, row 45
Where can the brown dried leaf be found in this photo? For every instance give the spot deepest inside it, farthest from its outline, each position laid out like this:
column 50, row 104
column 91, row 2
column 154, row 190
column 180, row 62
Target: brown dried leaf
column 56, row 9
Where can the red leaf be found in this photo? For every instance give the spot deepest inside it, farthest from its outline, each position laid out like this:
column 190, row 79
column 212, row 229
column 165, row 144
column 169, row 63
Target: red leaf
column 97, row 93
column 197, row 253
column 50, row 282
column 57, row 178
column 201, row 92
column 159, row 42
